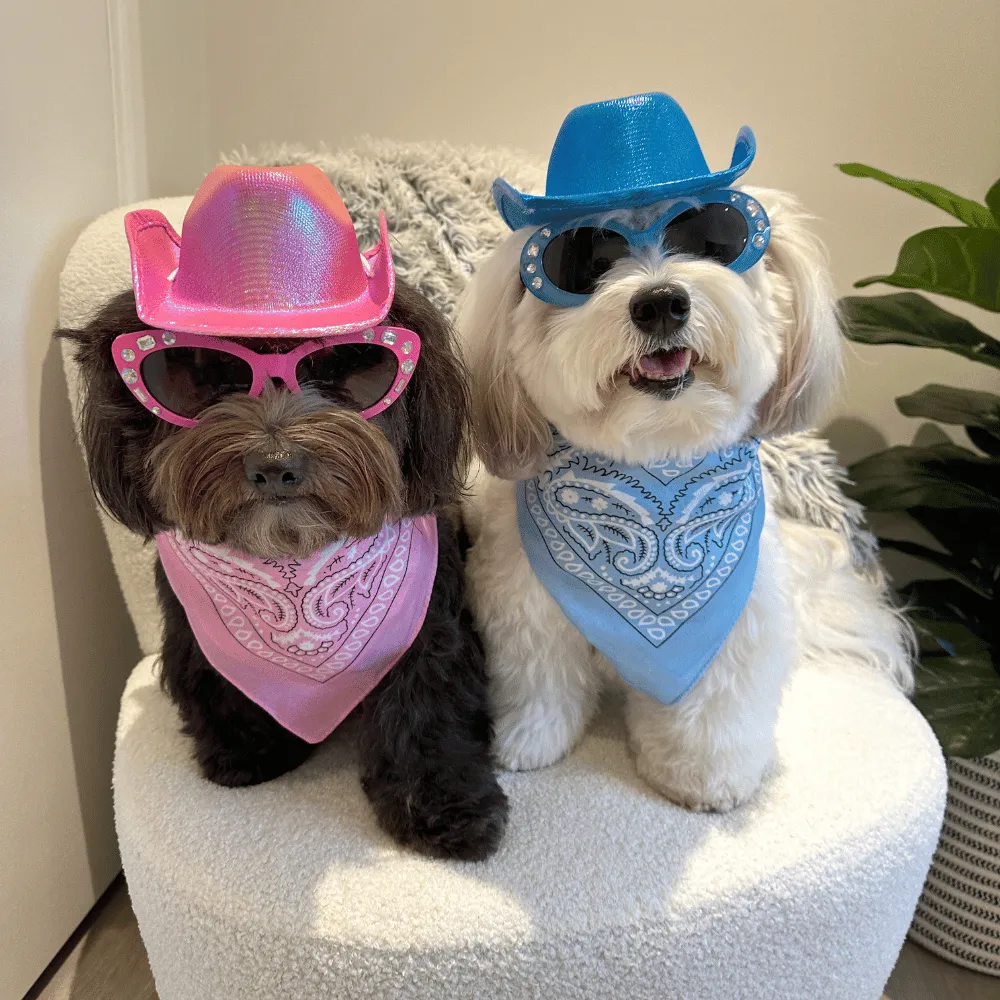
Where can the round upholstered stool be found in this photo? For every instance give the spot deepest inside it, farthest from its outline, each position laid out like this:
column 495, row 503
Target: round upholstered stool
column 601, row 889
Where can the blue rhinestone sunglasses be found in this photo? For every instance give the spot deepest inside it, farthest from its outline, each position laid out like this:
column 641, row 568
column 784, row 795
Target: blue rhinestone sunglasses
column 562, row 262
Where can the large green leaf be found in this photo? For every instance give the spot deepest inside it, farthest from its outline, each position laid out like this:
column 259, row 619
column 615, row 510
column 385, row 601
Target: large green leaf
column 969, row 211
column 951, row 601
column 949, row 405
column 968, row 575
column 957, row 688
column 948, row 638
column 942, row 476
column 993, row 200
column 957, row 261
column 974, row 536
column 907, row 318
column 984, row 441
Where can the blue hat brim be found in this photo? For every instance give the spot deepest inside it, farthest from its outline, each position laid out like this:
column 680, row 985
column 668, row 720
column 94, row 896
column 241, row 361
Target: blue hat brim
column 520, row 210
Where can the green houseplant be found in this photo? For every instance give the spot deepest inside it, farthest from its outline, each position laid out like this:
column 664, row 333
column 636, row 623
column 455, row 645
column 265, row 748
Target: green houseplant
column 953, row 493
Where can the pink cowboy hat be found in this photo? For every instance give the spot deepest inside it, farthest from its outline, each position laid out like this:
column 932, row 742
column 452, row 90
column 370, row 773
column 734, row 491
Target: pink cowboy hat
column 267, row 251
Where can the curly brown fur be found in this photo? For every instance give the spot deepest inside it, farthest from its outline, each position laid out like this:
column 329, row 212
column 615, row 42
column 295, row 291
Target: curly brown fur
column 429, row 718
column 352, row 479
column 426, row 427
column 235, row 741
column 425, row 730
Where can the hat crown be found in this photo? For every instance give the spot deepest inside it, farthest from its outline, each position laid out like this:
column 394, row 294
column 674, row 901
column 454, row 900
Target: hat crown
column 629, row 142
column 267, row 240
column 625, row 153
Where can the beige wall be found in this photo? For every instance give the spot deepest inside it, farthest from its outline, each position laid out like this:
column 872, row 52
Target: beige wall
column 66, row 642
column 180, row 150
column 912, row 86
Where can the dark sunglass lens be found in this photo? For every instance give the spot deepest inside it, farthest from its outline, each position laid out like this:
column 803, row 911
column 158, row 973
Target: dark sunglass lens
column 577, row 259
column 354, row 375
column 716, row 231
column 188, row 379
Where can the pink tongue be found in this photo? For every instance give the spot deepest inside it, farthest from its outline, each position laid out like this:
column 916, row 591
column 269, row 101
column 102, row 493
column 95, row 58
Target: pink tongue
column 665, row 364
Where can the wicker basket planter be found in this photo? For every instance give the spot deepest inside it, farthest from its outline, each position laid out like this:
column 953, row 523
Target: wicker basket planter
column 958, row 916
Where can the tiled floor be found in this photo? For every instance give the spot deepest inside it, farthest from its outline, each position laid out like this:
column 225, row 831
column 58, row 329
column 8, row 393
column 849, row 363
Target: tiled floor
column 109, row 963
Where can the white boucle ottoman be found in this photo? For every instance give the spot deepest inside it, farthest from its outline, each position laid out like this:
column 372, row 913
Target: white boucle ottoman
column 601, row 888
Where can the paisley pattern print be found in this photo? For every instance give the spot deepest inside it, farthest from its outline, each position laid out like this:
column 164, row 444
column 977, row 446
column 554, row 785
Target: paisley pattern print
column 348, row 609
column 297, row 613
column 640, row 553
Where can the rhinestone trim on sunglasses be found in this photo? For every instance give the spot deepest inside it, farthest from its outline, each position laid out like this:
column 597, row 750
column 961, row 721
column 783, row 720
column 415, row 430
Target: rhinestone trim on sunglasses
column 533, row 261
column 129, row 350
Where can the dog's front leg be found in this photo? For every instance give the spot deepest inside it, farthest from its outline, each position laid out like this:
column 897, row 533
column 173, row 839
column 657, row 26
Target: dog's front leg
column 235, row 741
column 424, row 743
column 544, row 679
column 710, row 750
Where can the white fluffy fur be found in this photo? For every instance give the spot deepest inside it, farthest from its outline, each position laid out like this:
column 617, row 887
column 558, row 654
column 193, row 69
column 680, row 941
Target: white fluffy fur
column 767, row 348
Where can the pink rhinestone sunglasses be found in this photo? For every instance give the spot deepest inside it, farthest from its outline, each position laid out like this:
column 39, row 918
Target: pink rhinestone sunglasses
column 177, row 375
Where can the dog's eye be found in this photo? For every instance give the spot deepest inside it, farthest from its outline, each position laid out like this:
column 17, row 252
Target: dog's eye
column 574, row 261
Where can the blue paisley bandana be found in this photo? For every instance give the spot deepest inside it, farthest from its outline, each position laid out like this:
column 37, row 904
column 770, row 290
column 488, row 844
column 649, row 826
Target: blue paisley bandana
column 652, row 563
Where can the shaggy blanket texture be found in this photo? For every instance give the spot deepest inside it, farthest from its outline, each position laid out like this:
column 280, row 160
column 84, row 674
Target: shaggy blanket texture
column 601, row 888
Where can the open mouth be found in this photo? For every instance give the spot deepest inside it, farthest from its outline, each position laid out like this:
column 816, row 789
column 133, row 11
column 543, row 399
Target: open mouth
column 665, row 373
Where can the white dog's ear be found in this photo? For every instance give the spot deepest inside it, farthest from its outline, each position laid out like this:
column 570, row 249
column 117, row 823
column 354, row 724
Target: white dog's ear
column 811, row 363
column 512, row 437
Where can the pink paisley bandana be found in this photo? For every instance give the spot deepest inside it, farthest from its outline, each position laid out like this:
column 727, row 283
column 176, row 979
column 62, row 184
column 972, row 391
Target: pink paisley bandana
column 307, row 639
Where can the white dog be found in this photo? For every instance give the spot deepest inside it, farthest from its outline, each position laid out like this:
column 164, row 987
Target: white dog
column 757, row 353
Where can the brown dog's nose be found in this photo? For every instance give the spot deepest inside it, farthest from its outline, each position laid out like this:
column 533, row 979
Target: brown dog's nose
column 660, row 310
column 275, row 475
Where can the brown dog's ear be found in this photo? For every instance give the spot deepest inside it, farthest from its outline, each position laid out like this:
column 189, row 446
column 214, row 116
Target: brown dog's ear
column 511, row 435
column 434, row 454
column 811, row 364
column 116, row 431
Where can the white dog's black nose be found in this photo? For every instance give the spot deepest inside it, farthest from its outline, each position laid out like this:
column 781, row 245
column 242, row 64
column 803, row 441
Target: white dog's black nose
column 660, row 310
column 275, row 475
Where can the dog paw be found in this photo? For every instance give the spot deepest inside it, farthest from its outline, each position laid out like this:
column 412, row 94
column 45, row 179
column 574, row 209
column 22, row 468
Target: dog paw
column 700, row 790
column 461, row 824
column 239, row 768
column 466, row 831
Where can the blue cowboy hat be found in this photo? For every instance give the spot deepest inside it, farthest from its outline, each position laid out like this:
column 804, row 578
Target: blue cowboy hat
column 624, row 153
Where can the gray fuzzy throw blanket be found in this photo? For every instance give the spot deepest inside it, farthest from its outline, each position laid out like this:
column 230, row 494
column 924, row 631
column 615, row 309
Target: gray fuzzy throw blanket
column 436, row 198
